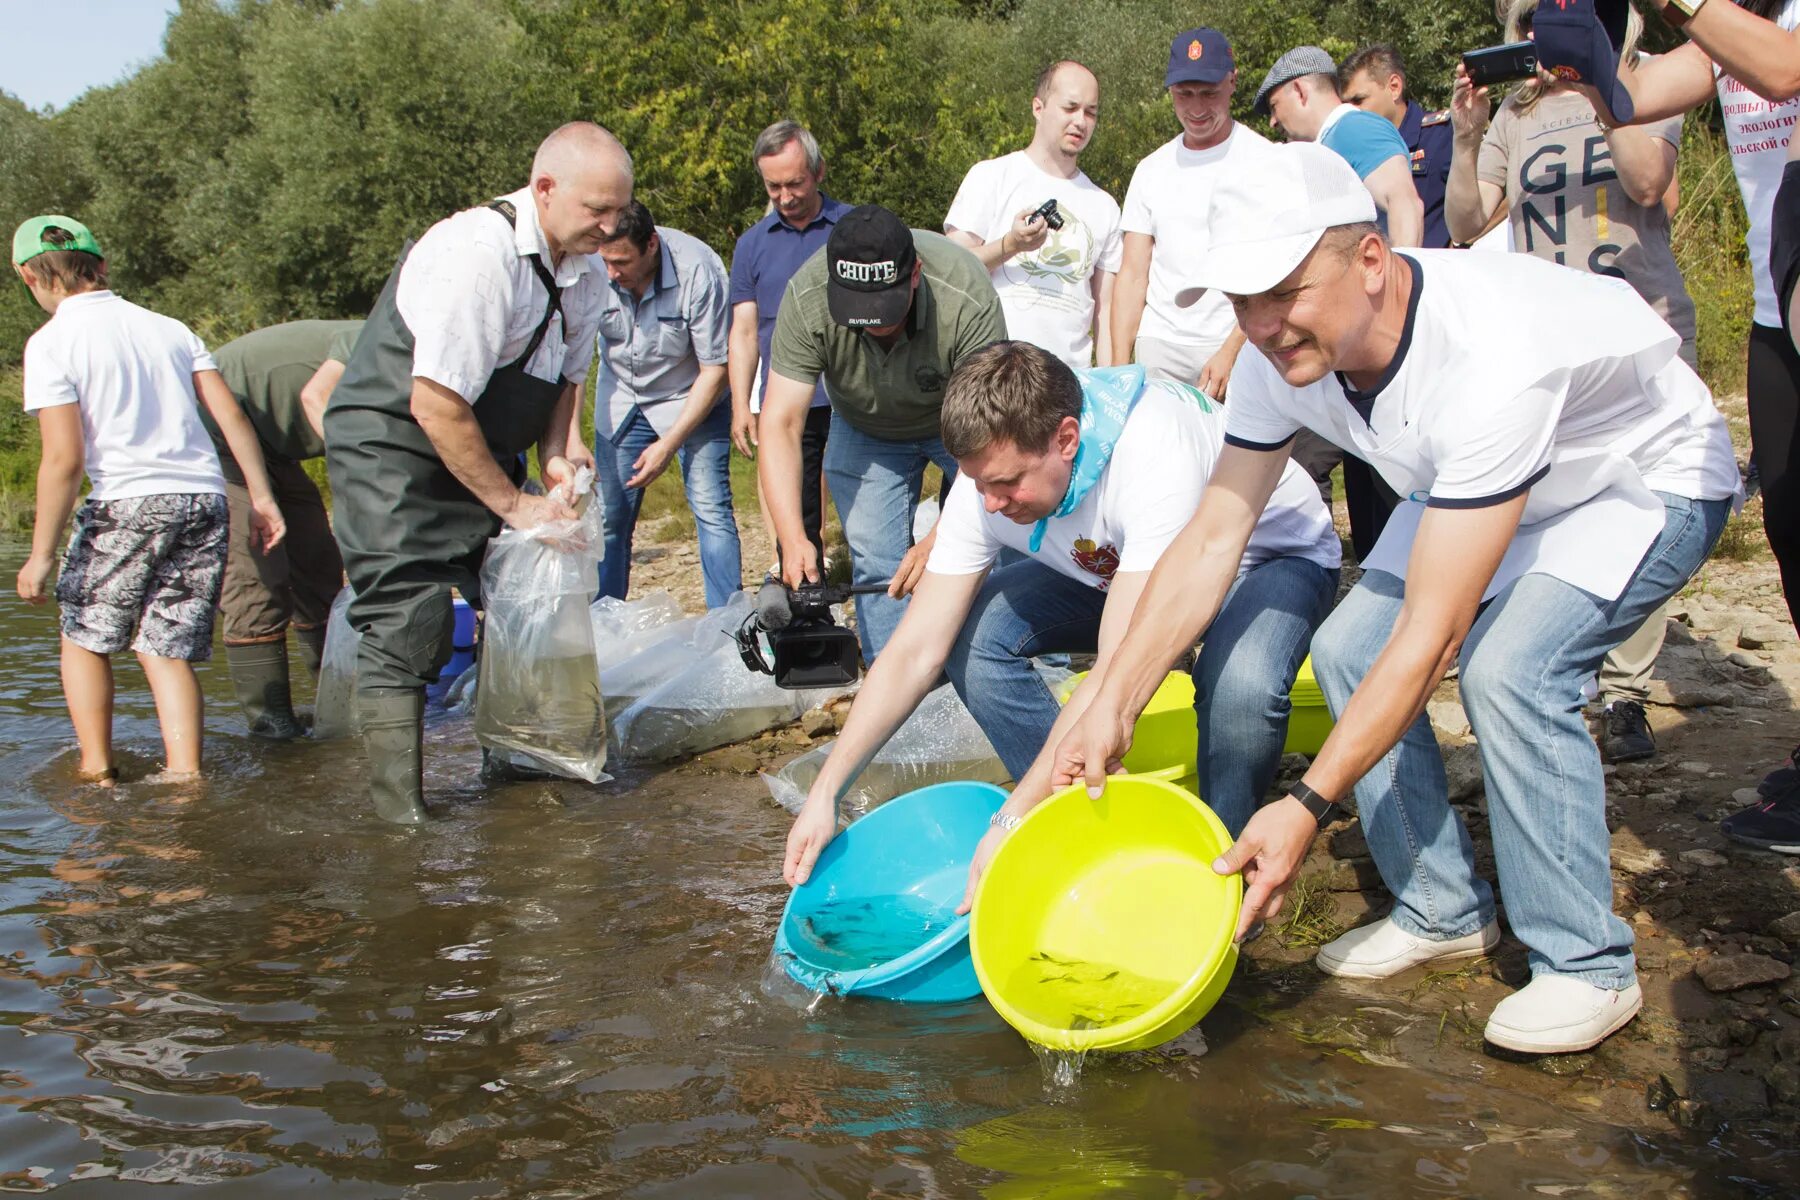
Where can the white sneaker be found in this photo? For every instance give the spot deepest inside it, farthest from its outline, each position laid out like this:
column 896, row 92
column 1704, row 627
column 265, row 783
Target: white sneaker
column 1559, row 1014
column 1383, row 949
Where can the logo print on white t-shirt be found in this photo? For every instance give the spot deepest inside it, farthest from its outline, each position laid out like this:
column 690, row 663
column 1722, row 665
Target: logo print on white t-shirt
column 1096, row 560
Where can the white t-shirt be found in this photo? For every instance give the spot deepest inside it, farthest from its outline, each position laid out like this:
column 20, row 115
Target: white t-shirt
column 1757, row 132
column 1581, row 395
column 1047, row 293
column 132, row 373
column 1168, row 199
column 1148, row 492
column 472, row 299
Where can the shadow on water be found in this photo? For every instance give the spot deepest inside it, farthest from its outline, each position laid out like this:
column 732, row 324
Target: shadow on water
column 556, row 990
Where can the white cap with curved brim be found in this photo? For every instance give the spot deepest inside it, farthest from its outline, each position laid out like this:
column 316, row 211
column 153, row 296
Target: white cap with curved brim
column 1268, row 214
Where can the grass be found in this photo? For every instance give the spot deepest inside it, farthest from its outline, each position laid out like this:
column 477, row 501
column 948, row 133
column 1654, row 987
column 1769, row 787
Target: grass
column 1742, row 539
column 1309, row 918
column 19, row 451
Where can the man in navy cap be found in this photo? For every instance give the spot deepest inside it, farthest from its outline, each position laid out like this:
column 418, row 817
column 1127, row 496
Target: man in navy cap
column 881, row 316
column 1194, row 340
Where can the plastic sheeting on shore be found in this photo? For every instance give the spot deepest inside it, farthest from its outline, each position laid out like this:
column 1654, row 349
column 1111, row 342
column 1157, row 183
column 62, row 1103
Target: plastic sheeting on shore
column 693, row 693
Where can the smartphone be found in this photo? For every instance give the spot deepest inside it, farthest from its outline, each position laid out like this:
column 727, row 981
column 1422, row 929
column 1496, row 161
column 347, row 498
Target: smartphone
column 1501, row 64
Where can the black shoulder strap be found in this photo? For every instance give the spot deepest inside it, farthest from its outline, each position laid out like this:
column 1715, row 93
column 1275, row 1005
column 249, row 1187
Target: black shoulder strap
column 554, row 307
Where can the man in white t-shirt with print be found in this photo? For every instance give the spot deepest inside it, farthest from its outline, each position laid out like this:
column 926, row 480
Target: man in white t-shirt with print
column 1088, row 479
column 1054, row 275
column 1165, row 228
column 1558, row 485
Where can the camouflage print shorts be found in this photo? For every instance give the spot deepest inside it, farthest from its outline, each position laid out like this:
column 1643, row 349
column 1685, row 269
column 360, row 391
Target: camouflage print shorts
column 149, row 564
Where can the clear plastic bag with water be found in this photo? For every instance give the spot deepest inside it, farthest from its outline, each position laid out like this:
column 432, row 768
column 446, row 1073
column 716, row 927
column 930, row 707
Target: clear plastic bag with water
column 538, row 695
column 697, row 694
column 334, row 706
column 939, row 743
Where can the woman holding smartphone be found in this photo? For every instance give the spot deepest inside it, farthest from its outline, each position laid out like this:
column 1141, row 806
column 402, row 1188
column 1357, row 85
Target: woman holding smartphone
column 1748, row 55
column 1588, row 194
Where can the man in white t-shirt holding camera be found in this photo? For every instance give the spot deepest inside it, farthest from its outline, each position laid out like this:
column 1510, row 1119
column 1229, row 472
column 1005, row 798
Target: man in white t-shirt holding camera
column 1087, row 479
column 1047, row 234
column 1558, row 484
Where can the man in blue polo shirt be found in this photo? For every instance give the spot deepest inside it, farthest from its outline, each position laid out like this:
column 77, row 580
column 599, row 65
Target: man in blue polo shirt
column 799, row 220
column 1374, row 80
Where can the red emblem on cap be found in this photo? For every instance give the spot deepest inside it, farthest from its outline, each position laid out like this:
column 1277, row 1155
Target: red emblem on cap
column 1568, row 73
column 1194, row 50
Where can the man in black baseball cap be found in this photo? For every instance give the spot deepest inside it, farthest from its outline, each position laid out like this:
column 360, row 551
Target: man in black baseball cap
column 881, row 316
column 871, row 269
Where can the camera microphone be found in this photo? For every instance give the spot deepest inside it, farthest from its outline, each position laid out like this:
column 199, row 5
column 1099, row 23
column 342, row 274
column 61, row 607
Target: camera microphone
column 773, row 607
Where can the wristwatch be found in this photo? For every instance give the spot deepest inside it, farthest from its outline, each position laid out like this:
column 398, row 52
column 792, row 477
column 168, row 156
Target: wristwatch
column 1321, row 808
column 1005, row 820
column 1679, row 12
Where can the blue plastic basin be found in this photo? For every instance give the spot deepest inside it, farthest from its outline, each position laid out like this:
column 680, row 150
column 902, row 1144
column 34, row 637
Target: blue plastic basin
column 462, row 656
column 878, row 916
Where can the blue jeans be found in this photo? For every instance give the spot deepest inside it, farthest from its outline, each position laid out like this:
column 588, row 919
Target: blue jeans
column 1242, row 676
column 1524, row 664
column 875, row 485
column 705, row 474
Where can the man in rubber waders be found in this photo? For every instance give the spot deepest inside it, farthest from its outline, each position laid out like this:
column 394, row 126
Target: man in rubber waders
column 1557, row 485
column 282, row 376
column 475, row 352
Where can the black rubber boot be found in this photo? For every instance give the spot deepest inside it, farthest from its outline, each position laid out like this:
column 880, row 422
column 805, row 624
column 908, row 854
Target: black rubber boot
column 1627, row 736
column 260, row 674
column 312, row 647
column 393, row 734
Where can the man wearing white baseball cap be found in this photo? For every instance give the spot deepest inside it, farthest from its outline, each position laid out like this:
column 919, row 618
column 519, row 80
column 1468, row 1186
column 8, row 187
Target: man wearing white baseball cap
column 1557, row 485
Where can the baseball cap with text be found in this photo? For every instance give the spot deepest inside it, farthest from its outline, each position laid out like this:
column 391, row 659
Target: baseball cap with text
column 1199, row 56
column 868, row 268
column 1268, row 214
column 29, row 240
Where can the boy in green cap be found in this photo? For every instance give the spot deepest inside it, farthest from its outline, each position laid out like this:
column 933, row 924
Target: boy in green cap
column 116, row 389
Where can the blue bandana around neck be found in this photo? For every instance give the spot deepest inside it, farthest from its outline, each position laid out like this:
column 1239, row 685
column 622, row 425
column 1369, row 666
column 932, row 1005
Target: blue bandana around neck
column 1108, row 394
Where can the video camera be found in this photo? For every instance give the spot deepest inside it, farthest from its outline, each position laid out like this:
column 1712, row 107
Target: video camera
column 810, row 648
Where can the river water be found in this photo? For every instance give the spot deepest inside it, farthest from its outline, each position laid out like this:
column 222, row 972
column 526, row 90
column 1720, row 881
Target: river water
column 557, row 991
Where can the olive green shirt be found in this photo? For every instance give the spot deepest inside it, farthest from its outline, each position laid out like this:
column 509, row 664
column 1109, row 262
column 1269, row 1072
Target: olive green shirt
column 895, row 393
column 266, row 369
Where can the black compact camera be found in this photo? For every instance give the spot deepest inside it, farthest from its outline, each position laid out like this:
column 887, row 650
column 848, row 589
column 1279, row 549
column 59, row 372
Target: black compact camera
column 1501, row 64
column 809, row 648
column 1048, row 214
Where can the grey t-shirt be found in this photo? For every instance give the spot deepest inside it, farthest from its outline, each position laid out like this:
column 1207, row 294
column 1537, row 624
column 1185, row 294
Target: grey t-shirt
column 1568, row 206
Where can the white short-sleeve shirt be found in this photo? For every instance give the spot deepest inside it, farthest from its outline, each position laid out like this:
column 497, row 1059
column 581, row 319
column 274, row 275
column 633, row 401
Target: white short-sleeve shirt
column 1579, row 389
column 1047, row 293
column 1757, row 131
column 1170, row 192
column 1148, row 492
column 132, row 373
column 471, row 298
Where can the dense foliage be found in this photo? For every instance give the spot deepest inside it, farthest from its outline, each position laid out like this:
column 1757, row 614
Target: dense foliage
column 269, row 163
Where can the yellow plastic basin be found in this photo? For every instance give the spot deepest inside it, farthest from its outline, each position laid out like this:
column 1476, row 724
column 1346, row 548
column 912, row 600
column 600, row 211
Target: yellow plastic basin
column 1100, row 924
column 1164, row 734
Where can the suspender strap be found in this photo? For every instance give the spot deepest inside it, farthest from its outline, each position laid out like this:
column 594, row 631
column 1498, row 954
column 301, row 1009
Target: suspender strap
column 553, row 308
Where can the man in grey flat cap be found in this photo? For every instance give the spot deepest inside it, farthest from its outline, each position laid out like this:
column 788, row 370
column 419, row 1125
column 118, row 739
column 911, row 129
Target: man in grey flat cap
column 1300, row 97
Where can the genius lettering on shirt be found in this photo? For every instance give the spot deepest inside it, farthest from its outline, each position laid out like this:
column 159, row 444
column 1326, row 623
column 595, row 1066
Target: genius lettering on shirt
column 1544, row 213
column 1096, row 560
column 865, row 273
